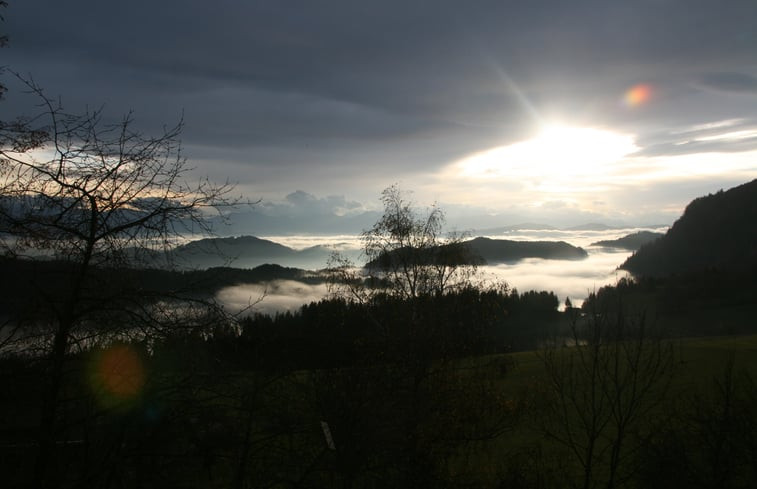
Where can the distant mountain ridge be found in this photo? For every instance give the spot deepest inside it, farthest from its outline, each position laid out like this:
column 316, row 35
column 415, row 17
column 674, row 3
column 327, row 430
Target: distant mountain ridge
column 503, row 250
column 487, row 251
column 51, row 277
column 250, row 252
column 631, row 242
column 525, row 226
column 535, row 226
column 718, row 231
column 591, row 226
column 246, row 252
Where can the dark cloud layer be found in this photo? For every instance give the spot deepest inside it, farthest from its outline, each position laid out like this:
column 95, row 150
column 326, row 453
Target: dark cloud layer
column 420, row 60
column 730, row 82
column 307, row 92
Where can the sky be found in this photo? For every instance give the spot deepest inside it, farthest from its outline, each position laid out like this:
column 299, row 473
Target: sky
column 500, row 111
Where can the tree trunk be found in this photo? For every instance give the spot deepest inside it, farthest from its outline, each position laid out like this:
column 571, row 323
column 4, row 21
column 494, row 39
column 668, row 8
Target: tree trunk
column 45, row 470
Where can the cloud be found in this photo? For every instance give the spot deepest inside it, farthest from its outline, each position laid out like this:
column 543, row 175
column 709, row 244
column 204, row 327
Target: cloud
column 723, row 136
column 574, row 279
column 303, row 213
column 384, row 68
column 730, row 82
column 271, row 297
column 349, row 97
column 303, row 203
column 555, row 204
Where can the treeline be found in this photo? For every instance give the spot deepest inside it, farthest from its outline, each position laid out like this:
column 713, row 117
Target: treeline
column 396, row 393
column 337, row 332
column 709, row 303
column 42, row 283
column 715, row 232
column 405, row 387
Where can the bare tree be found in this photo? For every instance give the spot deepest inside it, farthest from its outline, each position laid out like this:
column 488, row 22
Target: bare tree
column 91, row 195
column 3, row 43
column 603, row 382
column 409, row 408
column 408, row 254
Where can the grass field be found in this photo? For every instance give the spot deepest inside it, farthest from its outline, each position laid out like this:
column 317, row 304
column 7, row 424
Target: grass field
column 265, row 429
column 689, row 400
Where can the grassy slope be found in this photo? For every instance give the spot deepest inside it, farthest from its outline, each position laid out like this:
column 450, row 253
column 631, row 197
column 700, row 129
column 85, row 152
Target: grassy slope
column 699, row 363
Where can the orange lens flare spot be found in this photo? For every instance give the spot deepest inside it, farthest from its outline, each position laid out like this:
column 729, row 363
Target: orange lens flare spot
column 119, row 372
column 638, row 95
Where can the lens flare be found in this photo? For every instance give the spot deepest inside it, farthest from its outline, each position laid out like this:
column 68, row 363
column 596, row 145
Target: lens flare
column 638, row 95
column 117, row 374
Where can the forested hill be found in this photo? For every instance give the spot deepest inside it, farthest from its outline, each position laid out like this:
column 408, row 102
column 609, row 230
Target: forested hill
column 33, row 285
column 630, row 242
column 249, row 252
column 716, row 232
column 503, row 250
column 487, row 251
column 246, row 252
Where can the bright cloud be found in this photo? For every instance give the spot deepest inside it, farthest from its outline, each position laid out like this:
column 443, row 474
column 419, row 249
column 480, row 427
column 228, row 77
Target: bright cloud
column 575, row 165
column 558, row 152
column 271, row 297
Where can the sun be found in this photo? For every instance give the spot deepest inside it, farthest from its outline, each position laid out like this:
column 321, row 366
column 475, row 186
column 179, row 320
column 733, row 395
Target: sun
column 556, row 152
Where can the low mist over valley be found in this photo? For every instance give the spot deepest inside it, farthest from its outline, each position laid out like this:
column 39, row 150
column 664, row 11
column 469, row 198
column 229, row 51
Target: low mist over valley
column 574, row 277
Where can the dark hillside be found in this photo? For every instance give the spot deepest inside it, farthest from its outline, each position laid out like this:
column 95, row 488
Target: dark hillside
column 630, row 241
column 483, row 251
column 31, row 284
column 245, row 252
column 503, row 250
column 716, row 232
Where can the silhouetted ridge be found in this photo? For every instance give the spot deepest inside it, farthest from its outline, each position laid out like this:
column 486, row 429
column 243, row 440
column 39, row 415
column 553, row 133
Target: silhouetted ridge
column 482, row 251
column 503, row 250
column 245, row 252
column 632, row 241
column 716, row 232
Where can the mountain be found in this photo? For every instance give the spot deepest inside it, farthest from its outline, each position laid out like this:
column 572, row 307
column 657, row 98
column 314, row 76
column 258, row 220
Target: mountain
column 529, row 226
column 247, row 252
column 591, row 226
column 631, row 241
column 486, row 251
column 43, row 280
column 503, row 250
column 250, row 252
column 716, row 232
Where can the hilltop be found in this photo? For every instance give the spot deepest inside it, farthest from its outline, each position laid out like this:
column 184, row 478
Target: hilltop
column 632, row 241
column 503, row 250
column 246, row 252
column 487, row 251
column 715, row 232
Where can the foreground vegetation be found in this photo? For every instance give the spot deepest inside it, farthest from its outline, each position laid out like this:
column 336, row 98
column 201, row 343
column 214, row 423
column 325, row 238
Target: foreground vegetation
column 206, row 411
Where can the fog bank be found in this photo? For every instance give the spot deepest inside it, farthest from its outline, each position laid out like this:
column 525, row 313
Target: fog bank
column 566, row 278
column 270, row 297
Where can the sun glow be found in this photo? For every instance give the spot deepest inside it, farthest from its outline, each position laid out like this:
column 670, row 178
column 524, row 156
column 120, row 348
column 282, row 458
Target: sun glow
column 556, row 153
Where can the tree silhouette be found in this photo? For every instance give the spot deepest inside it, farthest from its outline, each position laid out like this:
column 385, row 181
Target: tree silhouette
column 3, row 43
column 94, row 196
column 602, row 387
column 407, row 254
column 404, row 406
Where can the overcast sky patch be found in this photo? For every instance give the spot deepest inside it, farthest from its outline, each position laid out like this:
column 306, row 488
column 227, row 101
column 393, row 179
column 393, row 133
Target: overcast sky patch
column 346, row 98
